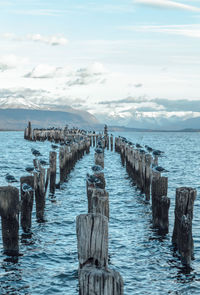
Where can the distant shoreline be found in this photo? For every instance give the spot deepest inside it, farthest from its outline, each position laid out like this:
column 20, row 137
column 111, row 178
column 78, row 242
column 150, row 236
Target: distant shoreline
column 121, row 129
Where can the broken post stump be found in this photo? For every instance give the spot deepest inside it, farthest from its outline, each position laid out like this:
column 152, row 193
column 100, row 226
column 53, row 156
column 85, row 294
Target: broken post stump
column 160, row 203
column 52, row 165
column 98, row 281
column 27, row 192
column 182, row 233
column 92, row 239
column 9, row 211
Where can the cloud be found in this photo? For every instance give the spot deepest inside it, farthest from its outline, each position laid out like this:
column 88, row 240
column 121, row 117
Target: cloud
column 192, row 30
column 145, row 104
column 11, row 61
column 92, row 74
column 168, row 4
column 43, row 71
column 53, row 40
column 127, row 100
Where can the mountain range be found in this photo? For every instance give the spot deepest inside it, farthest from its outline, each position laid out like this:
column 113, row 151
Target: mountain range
column 16, row 112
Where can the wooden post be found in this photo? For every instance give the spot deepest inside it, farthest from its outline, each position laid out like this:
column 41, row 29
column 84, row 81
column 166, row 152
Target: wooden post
column 9, row 211
column 39, row 186
column 52, row 164
column 111, row 142
column 26, row 202
column 182, row 233
column 98, row 201
column 92, row 237
column 93, row 280
column 62, row 164
column 148, row 160
column 160, row 203
column 99, row 159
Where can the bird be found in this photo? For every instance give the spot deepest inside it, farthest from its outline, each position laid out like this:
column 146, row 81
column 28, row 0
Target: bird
column 10, row 178
column 30, row 169
column 99, row 150
column 27, row 188
column 97, row 168
column 54, row 146
column 36, row 153
column 157, row 153
column 149, row 149
column 92, row 179
column 159, row 169
column 138, row 146
column 43, row 162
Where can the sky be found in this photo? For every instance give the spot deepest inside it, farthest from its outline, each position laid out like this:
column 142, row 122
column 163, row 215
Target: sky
column 114, row 58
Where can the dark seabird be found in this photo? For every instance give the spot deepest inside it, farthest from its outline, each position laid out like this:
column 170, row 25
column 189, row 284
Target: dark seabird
column 99, row 150
column 54, row 146
column 97, row 168
column 10, row 178
column 27, row 188
column 36, row 153
column 44, row 163
column 93, row 179
column 138, row 146
column 30, row 169
column 149, row 149
column 159, row 169
column 157, row 153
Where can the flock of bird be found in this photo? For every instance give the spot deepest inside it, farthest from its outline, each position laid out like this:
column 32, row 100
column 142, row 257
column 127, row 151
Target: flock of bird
column 147, row 149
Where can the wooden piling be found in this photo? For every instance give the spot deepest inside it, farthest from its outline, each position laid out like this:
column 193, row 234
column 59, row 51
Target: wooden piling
column 98, row 201
column 52, row 164
column 39, row 186
column 92, row 239
column 9, row 211
column 26, row 203
column 182, row 233
column 99, row 159
column 62, row 164
column 93, row 280
column 160, row 203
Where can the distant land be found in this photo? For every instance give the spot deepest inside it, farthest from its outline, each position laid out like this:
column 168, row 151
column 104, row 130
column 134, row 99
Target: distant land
column 15, row 112
column 17, row 119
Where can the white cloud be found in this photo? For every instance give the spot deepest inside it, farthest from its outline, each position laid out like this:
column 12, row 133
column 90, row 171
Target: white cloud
column 168, row 4
column 192, row 30
column 52, row 40
column 11, row 61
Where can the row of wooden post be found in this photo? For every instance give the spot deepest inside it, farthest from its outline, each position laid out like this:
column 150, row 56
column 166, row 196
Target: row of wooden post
column 139, row 167
column 15, row 210
column 92, row 238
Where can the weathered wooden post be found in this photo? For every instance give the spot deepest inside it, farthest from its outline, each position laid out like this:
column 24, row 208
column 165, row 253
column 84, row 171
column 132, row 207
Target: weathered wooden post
column 160, row 203
column 148, row 160
column 182, row 233
column 94, row 276
column 98, row 201
column 93, row 280
column 39, row 186
column 62, row 164
column 52, row 164
column 27, row 192
column 99, row 157
column 92, row 237
column 9, row 211
column 111, row 142
column 94, row 139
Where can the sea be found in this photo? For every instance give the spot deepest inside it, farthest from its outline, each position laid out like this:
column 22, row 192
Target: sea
column 48, row 261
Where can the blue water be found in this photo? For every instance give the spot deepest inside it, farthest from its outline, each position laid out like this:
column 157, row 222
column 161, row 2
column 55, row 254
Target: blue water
column 146, row 261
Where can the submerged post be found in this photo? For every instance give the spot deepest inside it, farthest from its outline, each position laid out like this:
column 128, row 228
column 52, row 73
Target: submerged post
column 182, row 233
column 9, row 211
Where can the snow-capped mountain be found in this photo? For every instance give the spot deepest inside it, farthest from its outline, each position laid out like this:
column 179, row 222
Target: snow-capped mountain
column 17, row 103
